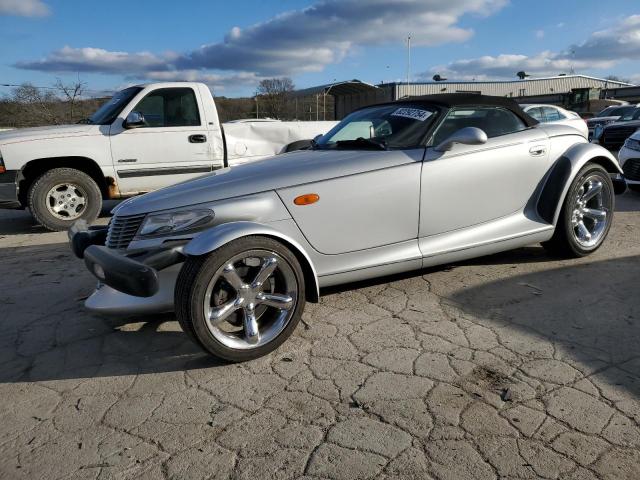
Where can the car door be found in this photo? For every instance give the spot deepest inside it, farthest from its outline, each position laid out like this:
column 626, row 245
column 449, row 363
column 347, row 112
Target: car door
column 474, row 184
column 172, row 145
column 375, row 207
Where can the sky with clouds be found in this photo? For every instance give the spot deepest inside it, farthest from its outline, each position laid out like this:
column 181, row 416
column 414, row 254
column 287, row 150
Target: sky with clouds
column 232, row 45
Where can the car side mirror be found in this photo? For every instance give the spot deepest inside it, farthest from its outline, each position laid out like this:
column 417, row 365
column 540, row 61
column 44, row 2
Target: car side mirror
column 466, row 136
column 134, row 120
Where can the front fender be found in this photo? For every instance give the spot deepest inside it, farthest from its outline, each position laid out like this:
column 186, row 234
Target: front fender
column 564, row 172
column 220, row 235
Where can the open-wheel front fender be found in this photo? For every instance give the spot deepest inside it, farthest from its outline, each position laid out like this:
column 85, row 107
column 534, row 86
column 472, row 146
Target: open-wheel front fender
column 220, row 235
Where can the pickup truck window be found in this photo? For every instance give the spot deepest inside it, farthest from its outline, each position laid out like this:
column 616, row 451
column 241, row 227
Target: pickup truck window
column 170, row 107
column 108, row 112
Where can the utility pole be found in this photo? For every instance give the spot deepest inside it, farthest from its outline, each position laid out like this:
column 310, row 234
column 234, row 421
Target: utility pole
column 257, row 115
column 408, row 61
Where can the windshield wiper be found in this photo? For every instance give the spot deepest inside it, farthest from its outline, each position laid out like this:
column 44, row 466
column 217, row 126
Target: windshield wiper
column 361, row 142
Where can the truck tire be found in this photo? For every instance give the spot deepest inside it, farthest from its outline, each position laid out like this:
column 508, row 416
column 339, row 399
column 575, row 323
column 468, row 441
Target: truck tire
column 243, row 300
column 586, row 215
column 61, row 196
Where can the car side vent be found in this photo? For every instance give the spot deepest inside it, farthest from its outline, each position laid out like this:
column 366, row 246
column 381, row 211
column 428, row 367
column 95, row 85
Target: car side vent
column 122, row 229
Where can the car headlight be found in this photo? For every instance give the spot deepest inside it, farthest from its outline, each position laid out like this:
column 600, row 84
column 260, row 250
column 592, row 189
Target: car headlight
column 175, row 222
column 632, row 144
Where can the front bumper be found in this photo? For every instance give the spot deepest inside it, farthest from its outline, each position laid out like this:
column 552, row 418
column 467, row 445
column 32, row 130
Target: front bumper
column 630, row 162
column 132, row 272
column 9, row 182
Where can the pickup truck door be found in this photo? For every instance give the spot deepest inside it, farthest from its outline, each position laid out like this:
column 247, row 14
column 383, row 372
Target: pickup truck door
column 174, row 145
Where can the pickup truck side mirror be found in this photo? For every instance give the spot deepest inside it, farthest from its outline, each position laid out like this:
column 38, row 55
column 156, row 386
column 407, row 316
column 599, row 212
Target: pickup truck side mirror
column 466, row 136
column 134, row 120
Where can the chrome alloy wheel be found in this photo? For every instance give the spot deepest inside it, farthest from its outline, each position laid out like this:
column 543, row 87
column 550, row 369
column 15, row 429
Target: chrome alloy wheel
column 591, row 211
column 250, row 299
column 66, row 201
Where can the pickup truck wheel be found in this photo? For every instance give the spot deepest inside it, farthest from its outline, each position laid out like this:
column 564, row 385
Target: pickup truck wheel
column 243, row 300
column 61, row 196
column 586, row 215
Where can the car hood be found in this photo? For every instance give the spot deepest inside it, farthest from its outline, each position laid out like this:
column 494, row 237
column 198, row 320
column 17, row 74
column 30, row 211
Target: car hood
column 597, row 120
column 273, row 173
column 631, row 123
column 41, row 133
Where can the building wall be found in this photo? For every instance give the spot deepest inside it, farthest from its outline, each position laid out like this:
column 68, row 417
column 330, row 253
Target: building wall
column 345, row 104
column 516, row 88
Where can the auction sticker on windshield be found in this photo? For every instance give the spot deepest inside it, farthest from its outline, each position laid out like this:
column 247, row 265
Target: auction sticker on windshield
column 414, row 113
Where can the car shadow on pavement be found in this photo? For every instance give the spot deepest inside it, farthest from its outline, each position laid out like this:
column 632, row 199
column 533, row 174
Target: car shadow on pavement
column 47, row 334
column 588, row 312
column 629, row 202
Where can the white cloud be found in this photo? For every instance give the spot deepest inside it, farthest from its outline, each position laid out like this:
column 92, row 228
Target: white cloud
column 539, row 34
column 89, row 59
column 297, row 41
column 602, row 50
column 215, row 81
column 24, row 8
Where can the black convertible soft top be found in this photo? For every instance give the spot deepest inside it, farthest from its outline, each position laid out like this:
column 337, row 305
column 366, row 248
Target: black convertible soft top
column 449, row 100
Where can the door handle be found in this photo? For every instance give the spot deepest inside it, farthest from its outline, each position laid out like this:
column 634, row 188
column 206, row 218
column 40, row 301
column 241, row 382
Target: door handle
column 197, row 138
column 537, row 151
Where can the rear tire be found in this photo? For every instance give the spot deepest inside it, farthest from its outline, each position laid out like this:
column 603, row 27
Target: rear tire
column 227, row 311
column 61, row 196
column 586, row 215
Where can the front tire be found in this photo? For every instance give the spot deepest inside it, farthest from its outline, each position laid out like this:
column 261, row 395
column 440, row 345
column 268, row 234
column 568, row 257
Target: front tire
column 586, row 215
column 61, row 196
column 243, row 300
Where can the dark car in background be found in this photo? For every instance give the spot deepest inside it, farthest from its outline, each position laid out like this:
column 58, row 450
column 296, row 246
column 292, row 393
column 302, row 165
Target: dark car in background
column 609, row 115
column 613, row 136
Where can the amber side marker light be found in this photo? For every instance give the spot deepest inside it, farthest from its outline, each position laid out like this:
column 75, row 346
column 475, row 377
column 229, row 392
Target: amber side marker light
column 306, row 199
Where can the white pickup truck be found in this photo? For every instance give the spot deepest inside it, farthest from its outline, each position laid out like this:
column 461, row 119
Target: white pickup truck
column 146, row 137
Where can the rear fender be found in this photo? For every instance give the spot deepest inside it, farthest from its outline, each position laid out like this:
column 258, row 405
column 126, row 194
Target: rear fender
column 564, row 171
column 216, row 237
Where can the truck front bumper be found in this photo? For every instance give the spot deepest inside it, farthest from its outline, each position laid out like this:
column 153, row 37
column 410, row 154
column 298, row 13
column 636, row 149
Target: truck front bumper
column 9, row 182
column 130, row 281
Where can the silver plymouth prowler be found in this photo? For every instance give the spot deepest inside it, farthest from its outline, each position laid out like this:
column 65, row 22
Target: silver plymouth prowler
column 392, row 188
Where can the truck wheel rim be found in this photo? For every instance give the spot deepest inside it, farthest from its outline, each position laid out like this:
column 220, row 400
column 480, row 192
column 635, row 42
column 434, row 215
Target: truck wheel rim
column 591, row 213
column 66, row 201
column 250, row 299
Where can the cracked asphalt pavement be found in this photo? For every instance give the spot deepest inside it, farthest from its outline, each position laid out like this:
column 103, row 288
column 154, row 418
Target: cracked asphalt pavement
column 516, row 365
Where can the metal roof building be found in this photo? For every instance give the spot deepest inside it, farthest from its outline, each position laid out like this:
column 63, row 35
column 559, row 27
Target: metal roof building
column 529, row 87
column 352, row 94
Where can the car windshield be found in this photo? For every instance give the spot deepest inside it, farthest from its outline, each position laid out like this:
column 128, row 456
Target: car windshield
column 108, row 112
column 616, row 111
column 398, row 126
column 632, row 115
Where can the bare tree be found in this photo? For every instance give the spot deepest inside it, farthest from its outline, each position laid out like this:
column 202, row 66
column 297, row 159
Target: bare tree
column 36, row 103
column 72, row 92
column 273, row 96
